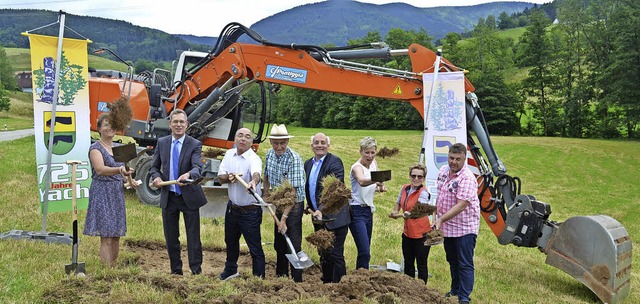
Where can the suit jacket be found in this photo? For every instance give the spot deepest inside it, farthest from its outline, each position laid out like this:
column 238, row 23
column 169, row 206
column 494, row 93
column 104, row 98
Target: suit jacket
column 190, row 161
column 331, row 165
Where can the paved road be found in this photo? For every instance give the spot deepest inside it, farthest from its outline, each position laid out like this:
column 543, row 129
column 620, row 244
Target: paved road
column 11, row 135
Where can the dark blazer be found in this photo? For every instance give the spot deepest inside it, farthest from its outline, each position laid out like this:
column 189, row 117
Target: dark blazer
column 331, row 165
column 190, row 161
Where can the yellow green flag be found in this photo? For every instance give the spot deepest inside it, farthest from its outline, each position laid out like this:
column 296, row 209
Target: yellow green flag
column 72, row 137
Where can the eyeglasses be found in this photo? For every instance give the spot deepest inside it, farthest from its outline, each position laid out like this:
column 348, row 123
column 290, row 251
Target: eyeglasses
column 417, row 176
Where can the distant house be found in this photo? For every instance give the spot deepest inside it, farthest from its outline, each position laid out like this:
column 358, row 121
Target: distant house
column 24, row 81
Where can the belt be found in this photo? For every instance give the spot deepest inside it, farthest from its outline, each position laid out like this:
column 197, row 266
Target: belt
column 359, row 204
column 174, row 193
column 243, row 208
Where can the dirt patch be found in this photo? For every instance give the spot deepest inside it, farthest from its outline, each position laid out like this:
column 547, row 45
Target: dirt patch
column 386, row 152
column 421, row 210
column 321, row 239
column 334, row 196
column 119, row 113
column 357, row 286
column 282, row 196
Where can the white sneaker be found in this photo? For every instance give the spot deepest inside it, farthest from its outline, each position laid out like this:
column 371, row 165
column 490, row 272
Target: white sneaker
column 224, row 276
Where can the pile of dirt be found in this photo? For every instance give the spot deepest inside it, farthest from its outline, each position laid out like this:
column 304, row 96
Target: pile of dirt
column 120, row 113
column 334, row 196
column 421, row 210
column 321, row 239
column 213, row 153
column 359, row 286
column 282, row 196
column 386, row 152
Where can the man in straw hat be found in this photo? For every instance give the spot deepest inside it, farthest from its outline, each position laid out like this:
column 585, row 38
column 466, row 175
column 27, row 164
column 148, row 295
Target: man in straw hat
column 282, row 163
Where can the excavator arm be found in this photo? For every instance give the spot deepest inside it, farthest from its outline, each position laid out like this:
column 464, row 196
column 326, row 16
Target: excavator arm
column 596, row 250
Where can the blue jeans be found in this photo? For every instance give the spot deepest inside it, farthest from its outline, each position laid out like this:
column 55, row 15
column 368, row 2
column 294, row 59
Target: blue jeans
column 459, row 252
column 332, row 260
column 294, row 232
column 361, row 227
column 246, row 223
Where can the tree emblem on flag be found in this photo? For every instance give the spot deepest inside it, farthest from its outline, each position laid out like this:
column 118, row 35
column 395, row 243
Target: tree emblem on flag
column 71, row 81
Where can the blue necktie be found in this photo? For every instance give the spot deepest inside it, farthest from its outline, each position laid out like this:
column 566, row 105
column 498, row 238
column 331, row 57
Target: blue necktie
column 313, row 179
column 175, row 158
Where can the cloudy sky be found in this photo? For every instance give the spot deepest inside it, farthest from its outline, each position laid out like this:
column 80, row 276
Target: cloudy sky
column 196, row 17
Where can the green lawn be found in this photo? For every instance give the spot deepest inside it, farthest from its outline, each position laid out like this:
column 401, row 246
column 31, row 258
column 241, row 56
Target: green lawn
column 576, row 177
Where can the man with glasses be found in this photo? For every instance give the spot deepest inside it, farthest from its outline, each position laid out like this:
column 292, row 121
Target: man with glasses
column 414, row 234
column 459, row 219
column 179, row 157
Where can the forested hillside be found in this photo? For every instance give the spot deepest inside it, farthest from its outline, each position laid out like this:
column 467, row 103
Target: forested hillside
column 337, row 21
column 127, row 40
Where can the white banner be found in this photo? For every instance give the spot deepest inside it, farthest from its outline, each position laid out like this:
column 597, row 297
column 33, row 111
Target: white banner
column 446, row 123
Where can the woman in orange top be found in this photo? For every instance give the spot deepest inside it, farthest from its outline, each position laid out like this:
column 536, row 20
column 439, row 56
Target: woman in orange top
column 413, row 236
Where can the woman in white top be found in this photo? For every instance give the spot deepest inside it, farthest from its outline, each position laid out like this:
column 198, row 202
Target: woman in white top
column 362, row 208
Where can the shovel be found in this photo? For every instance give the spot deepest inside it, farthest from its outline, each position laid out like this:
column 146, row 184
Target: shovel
column 299, row 260
column 75, row 267
column 321, row 221
column 125, row 153
column 182, row 181
column 381, row 176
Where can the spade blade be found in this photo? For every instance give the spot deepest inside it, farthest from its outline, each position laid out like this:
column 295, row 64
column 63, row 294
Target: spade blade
column 124, row 153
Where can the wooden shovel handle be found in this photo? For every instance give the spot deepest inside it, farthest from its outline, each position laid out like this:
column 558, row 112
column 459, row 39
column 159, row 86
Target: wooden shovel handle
column 253, row 192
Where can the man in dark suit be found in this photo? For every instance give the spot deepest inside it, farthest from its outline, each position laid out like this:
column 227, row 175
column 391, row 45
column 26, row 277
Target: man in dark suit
column 179, row 157
column 320, row 165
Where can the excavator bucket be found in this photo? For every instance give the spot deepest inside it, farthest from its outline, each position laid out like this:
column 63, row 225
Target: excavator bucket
column 596, row 250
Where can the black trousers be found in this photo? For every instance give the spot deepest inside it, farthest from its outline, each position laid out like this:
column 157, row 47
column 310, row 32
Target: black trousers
column 294, row 232
column 414, row 251
column 170, row 222
column 332, row 260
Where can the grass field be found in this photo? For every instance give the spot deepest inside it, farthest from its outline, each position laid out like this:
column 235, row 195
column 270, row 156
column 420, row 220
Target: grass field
column 577, row 177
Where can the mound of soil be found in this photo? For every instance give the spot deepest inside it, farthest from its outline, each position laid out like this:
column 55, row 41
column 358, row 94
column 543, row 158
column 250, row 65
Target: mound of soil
column 321, row 239
column 386, row 152
column 213, row 152
column 120, row 113
column 334, row 196
column 434, row 237
column 421, row 210
column 359, row 286
column 282, row 196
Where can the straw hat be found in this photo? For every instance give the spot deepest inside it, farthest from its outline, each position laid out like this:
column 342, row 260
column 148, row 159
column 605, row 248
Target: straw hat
column 279, row 132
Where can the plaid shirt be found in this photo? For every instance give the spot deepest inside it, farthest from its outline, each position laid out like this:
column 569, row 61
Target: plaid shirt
column 288, row 166
column 461, row 186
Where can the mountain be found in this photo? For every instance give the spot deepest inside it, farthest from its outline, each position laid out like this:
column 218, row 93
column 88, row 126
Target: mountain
column 338, row 21
column 330, row 22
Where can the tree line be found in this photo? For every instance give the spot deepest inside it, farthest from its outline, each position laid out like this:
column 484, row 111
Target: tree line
column 580, row 77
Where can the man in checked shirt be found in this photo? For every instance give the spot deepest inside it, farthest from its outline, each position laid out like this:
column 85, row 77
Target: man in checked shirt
column 282, row 163
column 459, row 218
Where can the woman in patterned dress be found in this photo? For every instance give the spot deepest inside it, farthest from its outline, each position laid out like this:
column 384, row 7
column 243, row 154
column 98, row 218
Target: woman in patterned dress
column 106, row 211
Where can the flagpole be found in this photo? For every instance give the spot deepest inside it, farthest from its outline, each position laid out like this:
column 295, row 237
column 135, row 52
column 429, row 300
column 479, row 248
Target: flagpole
column 47, row 177
column 427, row 106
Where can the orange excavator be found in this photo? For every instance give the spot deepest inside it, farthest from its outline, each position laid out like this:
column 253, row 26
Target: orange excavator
column 596, row 250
